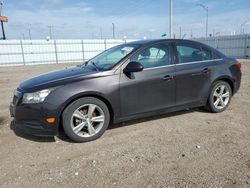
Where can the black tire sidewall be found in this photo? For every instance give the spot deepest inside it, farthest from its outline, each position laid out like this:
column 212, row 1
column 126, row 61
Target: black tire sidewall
column 210, row 100
column 67, row 114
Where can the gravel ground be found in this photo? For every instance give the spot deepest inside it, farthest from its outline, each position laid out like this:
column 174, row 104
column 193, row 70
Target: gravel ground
column 191, row 148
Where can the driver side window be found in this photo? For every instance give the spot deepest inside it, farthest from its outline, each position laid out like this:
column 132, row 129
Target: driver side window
column 114, row 57
column 153, row 56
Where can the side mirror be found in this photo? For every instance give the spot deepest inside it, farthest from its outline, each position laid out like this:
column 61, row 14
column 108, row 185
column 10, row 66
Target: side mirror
column 133, row 66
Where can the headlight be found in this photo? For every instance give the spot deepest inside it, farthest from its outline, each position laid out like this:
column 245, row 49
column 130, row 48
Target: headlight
column 36, row 97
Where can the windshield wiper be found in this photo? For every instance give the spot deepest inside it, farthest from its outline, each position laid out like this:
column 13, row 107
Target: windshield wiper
column 94, row 64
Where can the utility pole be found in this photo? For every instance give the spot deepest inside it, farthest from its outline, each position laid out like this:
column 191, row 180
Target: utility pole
column 101, row 32
column 29, row 30
column 50, row 31
column 242, row 30
column 207, row 22
column 113, row 27
column 206, row 9
column 4, row 37
column 242, row 26
column 1, row 7
column 180, row 32
column 170, row 18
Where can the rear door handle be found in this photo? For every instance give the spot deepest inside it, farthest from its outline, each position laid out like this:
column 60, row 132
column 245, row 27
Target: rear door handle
column 168, row 77
column 206, row 71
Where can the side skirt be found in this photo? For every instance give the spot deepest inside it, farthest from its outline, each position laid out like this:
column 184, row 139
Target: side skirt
column 158, row 112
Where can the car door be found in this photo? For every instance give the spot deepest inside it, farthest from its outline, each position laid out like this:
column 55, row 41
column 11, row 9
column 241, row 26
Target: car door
column 192, row 73
column 154, row 87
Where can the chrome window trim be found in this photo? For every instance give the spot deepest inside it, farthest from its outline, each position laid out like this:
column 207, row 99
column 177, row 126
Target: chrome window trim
column 160, row 67
column 193, row 62
column 180, row 64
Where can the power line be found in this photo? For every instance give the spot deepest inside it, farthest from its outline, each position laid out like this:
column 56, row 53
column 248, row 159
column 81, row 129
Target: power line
column 134, row 5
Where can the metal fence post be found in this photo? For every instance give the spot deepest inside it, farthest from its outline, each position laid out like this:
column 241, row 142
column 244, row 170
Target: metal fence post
column 56, row 51
column 217, row 43
column 245, row 47
column 21, row 43
column 83, row 55
column 248, row 47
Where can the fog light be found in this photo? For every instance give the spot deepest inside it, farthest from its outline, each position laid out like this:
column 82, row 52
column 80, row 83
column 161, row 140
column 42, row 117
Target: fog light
column 51, row 120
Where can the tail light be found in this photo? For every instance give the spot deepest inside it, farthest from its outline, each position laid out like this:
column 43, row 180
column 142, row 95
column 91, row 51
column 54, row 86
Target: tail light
column 238, row 64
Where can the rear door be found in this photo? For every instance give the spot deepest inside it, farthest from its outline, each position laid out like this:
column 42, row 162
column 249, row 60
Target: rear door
column 154, row 87
column 192, row 73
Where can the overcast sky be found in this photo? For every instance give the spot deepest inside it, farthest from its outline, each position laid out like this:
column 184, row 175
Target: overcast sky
column 132, row 18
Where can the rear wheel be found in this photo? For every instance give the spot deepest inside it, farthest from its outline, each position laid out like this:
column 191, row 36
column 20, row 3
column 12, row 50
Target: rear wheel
column 86, row 119
column 220, row 97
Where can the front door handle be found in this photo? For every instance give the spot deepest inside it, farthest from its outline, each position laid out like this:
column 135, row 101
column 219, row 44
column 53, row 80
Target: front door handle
column 168, row 77
column 206, row 71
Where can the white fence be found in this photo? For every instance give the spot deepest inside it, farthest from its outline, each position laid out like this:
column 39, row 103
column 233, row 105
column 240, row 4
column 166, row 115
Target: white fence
column 30, row 52
column 235, row 46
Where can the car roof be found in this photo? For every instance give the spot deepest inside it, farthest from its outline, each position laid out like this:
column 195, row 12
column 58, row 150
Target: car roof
column 145, row 42
column 148, row 42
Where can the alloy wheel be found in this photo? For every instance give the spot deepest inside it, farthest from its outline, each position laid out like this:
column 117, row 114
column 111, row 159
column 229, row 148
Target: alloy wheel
column 221, row 97
column 87, row 120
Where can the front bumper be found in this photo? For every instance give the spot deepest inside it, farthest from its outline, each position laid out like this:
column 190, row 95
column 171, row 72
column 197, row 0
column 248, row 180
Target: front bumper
column 34, row 128
column 31, row 118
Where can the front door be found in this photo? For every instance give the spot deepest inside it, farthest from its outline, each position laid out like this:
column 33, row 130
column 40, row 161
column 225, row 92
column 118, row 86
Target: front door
column 154, row 87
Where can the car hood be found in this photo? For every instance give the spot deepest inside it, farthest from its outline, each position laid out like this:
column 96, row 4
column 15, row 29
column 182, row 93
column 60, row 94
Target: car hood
column 56, row 78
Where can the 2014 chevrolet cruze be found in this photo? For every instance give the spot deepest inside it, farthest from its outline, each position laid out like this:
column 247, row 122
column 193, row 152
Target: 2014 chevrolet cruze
column 129, row 81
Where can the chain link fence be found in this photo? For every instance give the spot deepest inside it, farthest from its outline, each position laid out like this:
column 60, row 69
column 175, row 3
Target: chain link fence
column 237, row 46
column 32, row 52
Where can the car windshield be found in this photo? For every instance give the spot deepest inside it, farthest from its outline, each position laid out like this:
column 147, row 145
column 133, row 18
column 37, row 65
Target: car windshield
column 109, row 58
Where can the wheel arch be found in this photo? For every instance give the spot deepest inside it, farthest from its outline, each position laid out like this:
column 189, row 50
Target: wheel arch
column 226, row 79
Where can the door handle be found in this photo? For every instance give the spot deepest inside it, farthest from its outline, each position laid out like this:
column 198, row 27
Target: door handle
column 168, row 77
column 206, row 71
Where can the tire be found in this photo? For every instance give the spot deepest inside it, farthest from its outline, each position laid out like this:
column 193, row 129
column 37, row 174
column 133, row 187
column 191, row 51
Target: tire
column 85, row 119
column 219, row 98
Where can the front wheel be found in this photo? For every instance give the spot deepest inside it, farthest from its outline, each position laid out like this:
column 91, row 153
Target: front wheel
column 220, row 97
column 86, row 119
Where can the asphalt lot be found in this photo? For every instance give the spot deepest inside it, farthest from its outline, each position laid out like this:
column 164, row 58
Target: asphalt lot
column 191, row 148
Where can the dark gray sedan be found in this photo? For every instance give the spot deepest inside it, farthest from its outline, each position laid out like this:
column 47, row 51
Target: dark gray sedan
column 129, row 81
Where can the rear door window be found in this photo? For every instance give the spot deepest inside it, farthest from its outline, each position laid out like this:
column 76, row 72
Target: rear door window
column 187, row 53
column 206, row 54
